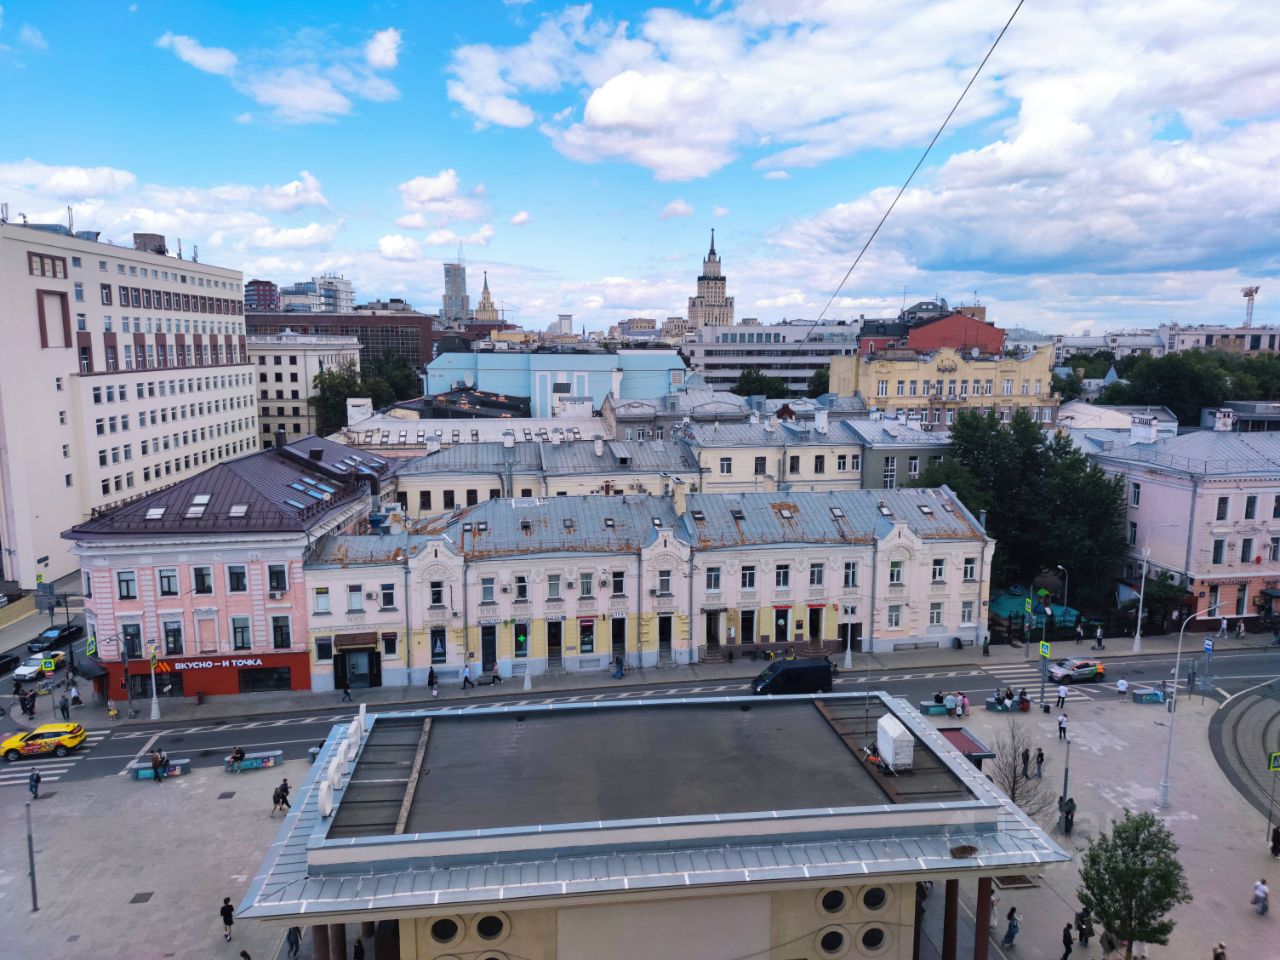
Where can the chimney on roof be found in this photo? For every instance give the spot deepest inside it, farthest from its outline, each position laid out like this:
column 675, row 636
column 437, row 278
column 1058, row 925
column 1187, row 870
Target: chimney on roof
column 820, row 421
column 316, row 453
column 1224, row 420
column 599, row 445
column 1142, row 429
column 280, row 438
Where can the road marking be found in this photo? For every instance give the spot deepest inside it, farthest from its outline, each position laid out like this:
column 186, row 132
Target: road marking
column 1246, row 690
column 146, row 748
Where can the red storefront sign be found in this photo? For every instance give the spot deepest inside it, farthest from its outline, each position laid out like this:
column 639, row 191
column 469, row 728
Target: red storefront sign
column 214, row 674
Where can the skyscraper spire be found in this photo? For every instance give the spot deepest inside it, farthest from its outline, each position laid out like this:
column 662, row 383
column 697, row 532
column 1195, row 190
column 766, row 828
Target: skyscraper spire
column 713, row 241
column 486, row 279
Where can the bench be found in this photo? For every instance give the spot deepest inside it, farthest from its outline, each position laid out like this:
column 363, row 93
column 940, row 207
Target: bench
column 931, row 709
column 1147, row 695
column 999, row 706
column 141, row 769
column 255, row 761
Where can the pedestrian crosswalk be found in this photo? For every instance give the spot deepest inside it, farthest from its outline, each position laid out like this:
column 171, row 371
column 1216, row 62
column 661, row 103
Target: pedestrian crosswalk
column 1020, row 675
column 51, row 768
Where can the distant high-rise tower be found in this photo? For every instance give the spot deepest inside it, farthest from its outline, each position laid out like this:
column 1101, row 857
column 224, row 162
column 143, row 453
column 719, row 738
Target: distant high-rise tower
column 457, row 305
column 486, row 312
column 711, row 308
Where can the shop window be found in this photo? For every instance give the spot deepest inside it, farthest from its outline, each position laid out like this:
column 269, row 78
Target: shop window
column 439, row 649
column 173, row 638
column 389, row 644
column 324, row 649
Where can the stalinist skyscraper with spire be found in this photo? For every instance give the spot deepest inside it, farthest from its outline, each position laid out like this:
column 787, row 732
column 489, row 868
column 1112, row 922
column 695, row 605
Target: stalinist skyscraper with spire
column 711, row 308
column 486, row 312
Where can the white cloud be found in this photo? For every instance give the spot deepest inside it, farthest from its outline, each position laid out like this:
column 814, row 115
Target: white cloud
column 777, row 175
column 382, row 52
column 720, row 211
column 303, row 192
column 66, row 183
column 520, row 219
column 793, row 299
column 244, row 118
column 133, row 8
column 299, row 95
column 397, row 247
column 676, row 208
column 189, row 50
column 438, row 200
column 32, row 37
column 312, row 235
column 448, row 238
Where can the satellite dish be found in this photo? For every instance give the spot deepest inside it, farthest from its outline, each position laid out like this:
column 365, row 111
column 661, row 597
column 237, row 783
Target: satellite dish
column 974, row 353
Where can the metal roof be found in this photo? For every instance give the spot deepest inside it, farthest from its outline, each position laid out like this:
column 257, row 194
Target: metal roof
column 618, row 456
column 1209, row 453
column 312, row 871
column 595, row 524
column 271, row 491
column 896, row 433
column 794, row 517
column 791, row 433
column 343, row 550
column 482, row 457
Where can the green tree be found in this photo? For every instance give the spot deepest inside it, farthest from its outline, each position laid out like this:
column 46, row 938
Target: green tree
column 398, row 374
column 1069, row 387
column 332, row 388
column 1131, row 878
column 820, row 382
column 753, row 383
column 1095, row 365
column 1184, row 382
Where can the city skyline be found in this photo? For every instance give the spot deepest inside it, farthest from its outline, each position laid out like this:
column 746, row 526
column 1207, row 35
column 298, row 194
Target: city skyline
column 1109, row 168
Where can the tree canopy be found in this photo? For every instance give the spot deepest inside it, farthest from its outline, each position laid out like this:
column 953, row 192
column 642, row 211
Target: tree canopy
column 1046, row 503
column 753, row 383
column 386, row 380
column 1190, row 380
column 1131, row 878
column 820, row 382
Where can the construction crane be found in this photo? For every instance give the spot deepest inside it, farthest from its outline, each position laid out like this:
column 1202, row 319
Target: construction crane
column 1249, row 293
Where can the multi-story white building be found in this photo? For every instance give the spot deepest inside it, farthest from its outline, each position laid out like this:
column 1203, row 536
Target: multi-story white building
column 123, row 370
column 791, row 350
column 711, row 308
column 287, row 367
column 323, row 294
column 1231, row 339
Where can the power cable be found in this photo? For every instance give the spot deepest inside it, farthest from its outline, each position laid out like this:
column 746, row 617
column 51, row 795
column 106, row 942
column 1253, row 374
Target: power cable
column 915, row 169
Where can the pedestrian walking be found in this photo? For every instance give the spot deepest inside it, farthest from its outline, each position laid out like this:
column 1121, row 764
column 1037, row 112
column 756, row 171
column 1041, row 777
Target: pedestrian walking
column 949, row 701
column 466, row 676
column 75, row 696
column 432, row 682
column 1062, row 695
column 357, row 952
column 1239, row 629
column 1068, row 942
column 1261, row 897
column 1275, row 841
column 346, row 692
column 1220, row 952
column 277, row 802
column 293, row 940
column 1084, row 926
column 964, row 705
column 64, row 707
column 244, row 955
column 1011, row 931
column 1062, row 726
column 284, row 794
column 155, row 765
column 33, row 784
column 994, row 917
column 228, row 913
column 1122, row 687
column 1026, row 761
column 1222, row 627
column 1108, row 944
column 1039, row 764
column 1079, row 633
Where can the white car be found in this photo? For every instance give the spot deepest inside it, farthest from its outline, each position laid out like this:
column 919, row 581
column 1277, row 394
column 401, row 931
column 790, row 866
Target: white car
column 32, row 668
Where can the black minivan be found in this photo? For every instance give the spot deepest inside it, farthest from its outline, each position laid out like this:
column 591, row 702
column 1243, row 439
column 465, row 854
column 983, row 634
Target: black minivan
column 794, row 676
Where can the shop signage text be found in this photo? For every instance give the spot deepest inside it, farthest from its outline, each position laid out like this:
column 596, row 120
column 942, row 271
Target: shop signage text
column 208, row 664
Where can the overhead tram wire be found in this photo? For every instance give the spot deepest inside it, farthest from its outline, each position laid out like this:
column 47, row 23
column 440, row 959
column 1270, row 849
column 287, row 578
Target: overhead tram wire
column 914, row 170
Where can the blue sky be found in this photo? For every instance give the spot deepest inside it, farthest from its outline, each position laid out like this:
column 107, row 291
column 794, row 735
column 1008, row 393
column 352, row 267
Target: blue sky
column 1114, row 167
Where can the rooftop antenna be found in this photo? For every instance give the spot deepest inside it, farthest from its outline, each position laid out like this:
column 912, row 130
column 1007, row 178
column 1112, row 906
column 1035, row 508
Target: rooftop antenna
column 461, row 262
column 179, row 248
column 4, row 213
column 1249, row 293
column 71, row 220
column 195, row 253
column 904, row 296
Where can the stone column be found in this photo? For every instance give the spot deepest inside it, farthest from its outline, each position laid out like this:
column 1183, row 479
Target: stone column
column 982, row 920
column 950, row 909
column 320, row 941
column 367, row 929
column 338, row 941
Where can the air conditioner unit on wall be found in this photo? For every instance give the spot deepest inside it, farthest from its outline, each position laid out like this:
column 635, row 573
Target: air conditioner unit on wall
column 275, row 595
column 371, row 596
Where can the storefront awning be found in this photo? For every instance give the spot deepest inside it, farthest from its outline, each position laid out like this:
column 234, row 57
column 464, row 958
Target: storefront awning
column 1271, row 592
column 354, row 641
column 89, row 668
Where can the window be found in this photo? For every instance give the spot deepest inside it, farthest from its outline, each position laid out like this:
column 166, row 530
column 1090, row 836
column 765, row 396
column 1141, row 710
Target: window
column 782, row 576
column 389, row 641
column 819, row 463
column 585, row 583
column 966, row 611
column 173, row 638
column 850, row 574
column 760, row 468
column 890, row 476
column 664, row 583
column 522, row 588
column 1222, row 507
column 970, row 567
column 472, row 498
column 277, row 580
column 895, row 616
column 619, row 583
column 168, row 582
column 748, row 577
column 439, row 652
column 324, row 649
column 726, row 466
column 1275, row 508
column 586, row 636
column 882, row 388
column 1135, row 494
column 131, row 634
column 913, row 467
column 448, row 499
column 1133, row 533
column 935, row 614
column 1273, row 556
column 1246, row 550
column 237, row 579
column 1250, row 507
column 939, row 571
column 281, row 638
column 322, row 600
column 713, row 579
column 127, row 585
column 553, row 586
column 1219, row 547
column 355, row 598
column 793, row 465
column 203, row 577
column 437, row 593
column 388, row 598
column 895, row 571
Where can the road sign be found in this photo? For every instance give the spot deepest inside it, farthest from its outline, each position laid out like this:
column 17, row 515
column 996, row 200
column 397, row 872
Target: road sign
column 39, row 578
column 1028, row 604
column 1044, row 649
column 1274, row 765
column 1208, row 644
column 154, row 661
column 91, row 645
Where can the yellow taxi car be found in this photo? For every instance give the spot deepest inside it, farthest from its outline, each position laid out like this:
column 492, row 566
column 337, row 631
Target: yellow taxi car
column 55, row 738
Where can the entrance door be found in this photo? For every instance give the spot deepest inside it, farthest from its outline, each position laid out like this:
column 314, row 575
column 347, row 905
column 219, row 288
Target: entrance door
column 339, row 670
column 664, row 637
column 488, row 648
column 781, row 622
column 375, row 668
column 747, row 618
column 555, row 629
column 359, row 668
column 713, row 629
column 619, row 637
column 854, row 629
column 815, row 624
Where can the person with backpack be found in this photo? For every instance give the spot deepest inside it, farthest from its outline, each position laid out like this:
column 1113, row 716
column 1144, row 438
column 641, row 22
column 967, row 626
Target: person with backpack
column 277, row 801
column 1011, row 932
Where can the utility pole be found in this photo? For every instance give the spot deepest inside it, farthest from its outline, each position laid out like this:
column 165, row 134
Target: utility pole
column 31, row 861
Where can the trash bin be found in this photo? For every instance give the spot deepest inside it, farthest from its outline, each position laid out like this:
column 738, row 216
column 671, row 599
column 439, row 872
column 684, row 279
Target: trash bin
column 199, row 699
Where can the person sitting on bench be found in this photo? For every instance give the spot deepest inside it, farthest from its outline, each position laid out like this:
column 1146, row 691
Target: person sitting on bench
column 938, row 697
column 237, row 755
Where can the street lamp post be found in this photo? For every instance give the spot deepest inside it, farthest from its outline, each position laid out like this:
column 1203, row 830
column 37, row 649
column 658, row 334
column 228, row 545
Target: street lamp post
column 1162, row 792
column 1142, row 594
column 1066, row 584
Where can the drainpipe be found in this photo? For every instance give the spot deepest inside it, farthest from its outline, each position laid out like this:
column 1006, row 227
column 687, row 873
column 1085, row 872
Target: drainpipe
column 466, row 612
column 1191, row 527
column 639, row 607
column 408, row 635
column 871, row 624
column 693, row 647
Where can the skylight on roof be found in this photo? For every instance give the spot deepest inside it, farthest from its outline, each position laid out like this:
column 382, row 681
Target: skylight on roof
column 466, row 528
column 698, row 515
column 884, row 510
column 657, row 521
column 926, row 509
column 482, row 526
column 737, row 514
column 568, row 523
column 785, row 513
column 238, row 510
column 296, row 504
column 837, row 513
column 326, row 488
column 315, row 493
column 155, row 513
column 197, row 506
column 299, row 487
column 608, row 522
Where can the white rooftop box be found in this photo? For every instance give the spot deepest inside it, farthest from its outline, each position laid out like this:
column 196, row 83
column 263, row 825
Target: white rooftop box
column 895, row 743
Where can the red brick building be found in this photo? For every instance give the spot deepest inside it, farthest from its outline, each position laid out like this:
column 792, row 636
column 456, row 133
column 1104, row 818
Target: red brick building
column 959, row 331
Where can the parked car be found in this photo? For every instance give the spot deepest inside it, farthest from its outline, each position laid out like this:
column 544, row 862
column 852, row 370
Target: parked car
column 56, row 738
column 39, row 665
column 8, row 661
column 794, row 676
column 56, row 637
column 1076, row 669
